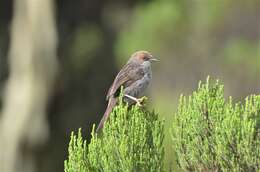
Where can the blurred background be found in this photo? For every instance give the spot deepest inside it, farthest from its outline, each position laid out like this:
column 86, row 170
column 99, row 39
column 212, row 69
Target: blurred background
column 58, row 59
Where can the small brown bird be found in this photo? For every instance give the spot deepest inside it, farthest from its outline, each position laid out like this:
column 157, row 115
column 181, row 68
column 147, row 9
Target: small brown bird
column 135, row 77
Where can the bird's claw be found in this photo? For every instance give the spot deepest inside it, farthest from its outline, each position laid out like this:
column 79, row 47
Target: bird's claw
column 140, row 102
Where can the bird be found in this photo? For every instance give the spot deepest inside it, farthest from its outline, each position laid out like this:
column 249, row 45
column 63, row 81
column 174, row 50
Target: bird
column 134, row 77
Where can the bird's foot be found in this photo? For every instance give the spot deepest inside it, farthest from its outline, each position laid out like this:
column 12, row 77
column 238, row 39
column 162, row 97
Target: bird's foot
column 140, row 102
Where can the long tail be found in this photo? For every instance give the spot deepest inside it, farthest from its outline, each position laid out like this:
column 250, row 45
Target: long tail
column 111, row 104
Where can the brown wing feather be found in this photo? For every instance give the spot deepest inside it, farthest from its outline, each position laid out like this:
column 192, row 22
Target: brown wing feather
column 130, row 73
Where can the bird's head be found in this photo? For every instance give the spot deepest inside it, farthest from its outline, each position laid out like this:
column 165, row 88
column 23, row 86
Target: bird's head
column 143, row 57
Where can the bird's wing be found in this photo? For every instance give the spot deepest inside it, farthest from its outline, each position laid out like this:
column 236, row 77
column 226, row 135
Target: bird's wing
column 130, row 73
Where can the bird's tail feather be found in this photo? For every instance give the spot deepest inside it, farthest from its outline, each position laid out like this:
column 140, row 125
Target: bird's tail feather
column 111, row 104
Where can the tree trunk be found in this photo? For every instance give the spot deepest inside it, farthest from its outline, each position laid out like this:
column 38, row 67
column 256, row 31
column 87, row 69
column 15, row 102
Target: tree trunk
column 33, row 65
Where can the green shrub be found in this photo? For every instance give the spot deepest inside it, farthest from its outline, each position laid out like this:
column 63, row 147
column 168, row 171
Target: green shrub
column 209, row 133
column 131, row 140
column 213, row 134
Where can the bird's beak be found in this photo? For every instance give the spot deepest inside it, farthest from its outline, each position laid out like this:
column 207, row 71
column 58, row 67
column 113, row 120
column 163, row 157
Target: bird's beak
column 154, row 59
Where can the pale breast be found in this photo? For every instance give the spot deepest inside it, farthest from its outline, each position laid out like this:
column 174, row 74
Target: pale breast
column 137, row 89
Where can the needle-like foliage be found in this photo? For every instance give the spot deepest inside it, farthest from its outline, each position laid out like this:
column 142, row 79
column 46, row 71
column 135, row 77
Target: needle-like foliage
column 131, row 140
column 213, row 134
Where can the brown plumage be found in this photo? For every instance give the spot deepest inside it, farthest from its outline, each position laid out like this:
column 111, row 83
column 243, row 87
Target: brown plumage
column 135, row 76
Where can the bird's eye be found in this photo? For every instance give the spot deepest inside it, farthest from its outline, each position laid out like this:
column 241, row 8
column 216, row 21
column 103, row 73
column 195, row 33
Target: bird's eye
column 145, row 58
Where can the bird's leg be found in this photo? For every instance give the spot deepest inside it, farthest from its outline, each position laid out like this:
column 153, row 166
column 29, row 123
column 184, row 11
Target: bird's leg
column 138, row 101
